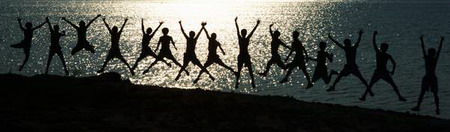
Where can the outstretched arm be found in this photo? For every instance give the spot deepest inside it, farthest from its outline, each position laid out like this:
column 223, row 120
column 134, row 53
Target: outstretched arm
column 206, row 32
column 40, row 25
column 374, row 41
column 237, row 27
column 73, row 25
column 20, row 24
column 160, row 23
column 173, row 43
column 393, row 65
column 159, row 43
column 440, row 47
column 49, row 24
column 254, row 29
column 221, row 49
column 289, row 55
column 336, row 42
column 123, row 25
column 90, row 22
column 142, row 26
column 284, row 45
column 200, row 32
column 270, row 30
column 182, row 30
column 423, row 45
column 359, row 38
column 106, row 24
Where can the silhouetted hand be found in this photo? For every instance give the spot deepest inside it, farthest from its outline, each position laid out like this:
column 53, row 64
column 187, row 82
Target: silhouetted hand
column 161, row 22
column 179, row 22
column 203, row 24
column 18, row 19
column 64, row 18
column 258, row 21
column 126, row 19
column 271, row 25
column 360, row 32
column 421, row 37
column 375, row 33
column 99, row 15
column 104, row 19
column 235, row 19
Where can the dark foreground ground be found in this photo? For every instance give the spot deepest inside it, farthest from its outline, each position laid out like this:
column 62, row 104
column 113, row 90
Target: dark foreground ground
column 106, row 103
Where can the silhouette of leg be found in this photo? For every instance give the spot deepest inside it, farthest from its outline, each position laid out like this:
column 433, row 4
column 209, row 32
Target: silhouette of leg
column 342, row 74
column 281, row 64
column 307, row 77
column 156, row 56
column 250, row 71
column 220, row 62
column 151, row 65
column 271, row 61
column 327, row 79
column 207, row 64
column 374, row 79
column 120, row 57
column 61, row 57
column 76, row 49
column 203, row 68
column 140, row 58
column 185, row 64
column 170, row 56
column 357, row 73
column 27, row 56
column 425, row 86
column 49, row 60
column 389, row 80
column 89, row 47
column 434, row 89
column 238, row 74
column 317, row 75
column 291, row 67
column 436, row 101
column 108, row 58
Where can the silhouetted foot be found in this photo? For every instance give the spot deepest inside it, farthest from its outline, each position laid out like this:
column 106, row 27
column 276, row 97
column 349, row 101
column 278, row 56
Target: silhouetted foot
column 415, row 108
column 362, row 98
column 402, row 99
column 437, row 112
column 237, row 85
column 146, row 71
column 310, row 85
column 253, row 85
column 176, row 78
column 331, row 89
column 284, row 80
column 101, row 71
column 196, row 80
column 262, row 74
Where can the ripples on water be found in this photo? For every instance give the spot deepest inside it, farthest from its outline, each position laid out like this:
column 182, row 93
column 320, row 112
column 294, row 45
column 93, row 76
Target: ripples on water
column 399, row 23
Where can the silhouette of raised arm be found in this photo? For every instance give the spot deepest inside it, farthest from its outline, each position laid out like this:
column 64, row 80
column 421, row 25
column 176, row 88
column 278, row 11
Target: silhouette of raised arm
column 20, row 24
column 423, row 45
column 440, row 47
column 123, row 25
column 254, row 29
column 182, row 30
column 90, row 22
column 142, row 26
column 393, row 65
column 200, row 32
column 73, row 25
column 237, row 27
column 336, row 42
column 160, row 23
column 374, row 41
column 106, row 24
column 49, row 24
column 206, row 32
column 359, row 38
column 270, row 29
column 40, row 25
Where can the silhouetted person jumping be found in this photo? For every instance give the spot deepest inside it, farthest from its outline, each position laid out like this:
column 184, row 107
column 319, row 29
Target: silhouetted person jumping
column 55, row 48
column 82, row 42
column 321, row 71
column 114, row 51
column 275, row 59
column 213, row 57
column 429, row 81
column 189, row 55
column 381, row 72
column 244, row 57
column 299, row 59
column 146, row 38
column 165, row 52
column 350, row 67
column 25, row 44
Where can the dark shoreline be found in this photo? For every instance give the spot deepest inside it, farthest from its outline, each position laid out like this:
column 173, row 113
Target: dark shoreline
column 107, row 103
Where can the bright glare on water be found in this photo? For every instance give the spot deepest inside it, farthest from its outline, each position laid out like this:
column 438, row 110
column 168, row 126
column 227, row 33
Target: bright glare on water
column 399, row 23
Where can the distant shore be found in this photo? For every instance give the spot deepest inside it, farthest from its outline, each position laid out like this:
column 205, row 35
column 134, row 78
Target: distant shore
column 108, row 103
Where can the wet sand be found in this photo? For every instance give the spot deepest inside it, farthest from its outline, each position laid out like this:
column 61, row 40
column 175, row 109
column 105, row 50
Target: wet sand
column 108, row 103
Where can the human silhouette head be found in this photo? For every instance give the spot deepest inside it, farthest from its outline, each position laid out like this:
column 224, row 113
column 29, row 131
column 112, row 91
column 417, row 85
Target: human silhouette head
column 165, row 31
column 244, row 32
column 28, row 25
column 431, row 52
column 347, row 42
column 191, row 34
column 82, row 24
column 295, row 34
column 384, row 47
column 276, row 34
column 56, row 28
column 149, row 30
column 322, row 45
column 115, row 29
column 213, row 36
